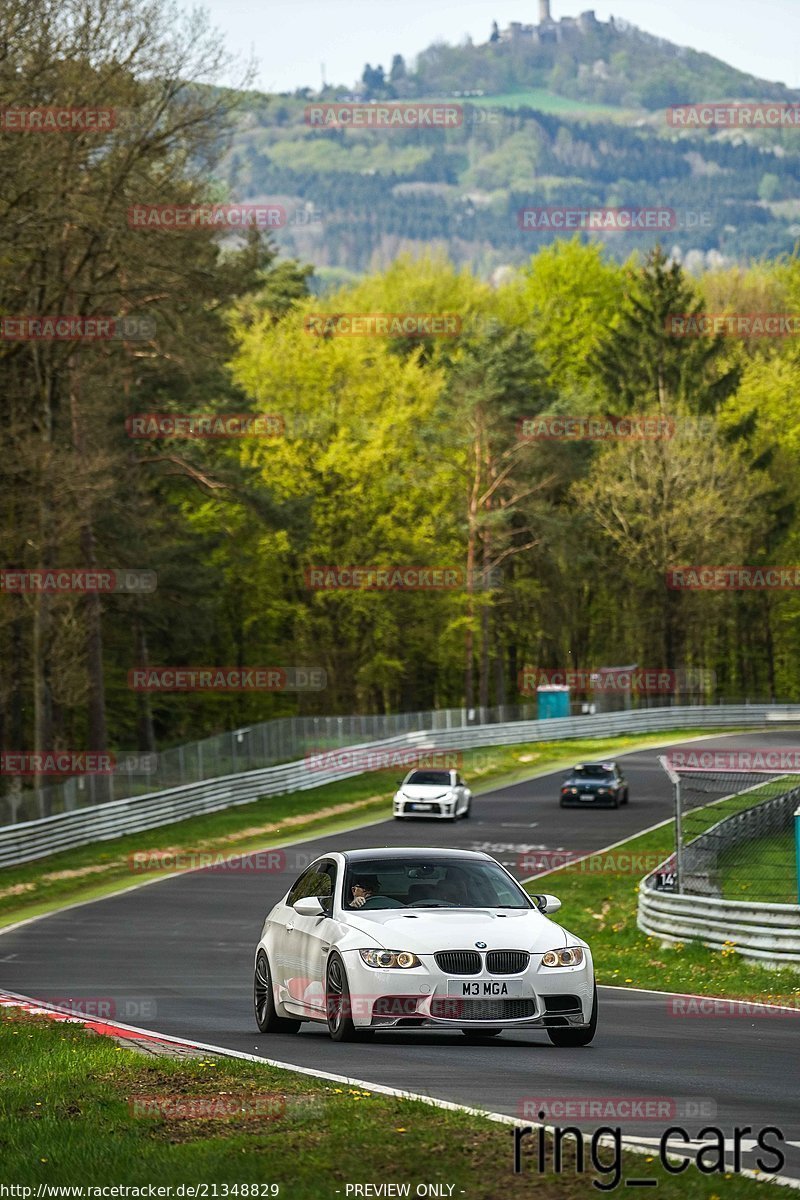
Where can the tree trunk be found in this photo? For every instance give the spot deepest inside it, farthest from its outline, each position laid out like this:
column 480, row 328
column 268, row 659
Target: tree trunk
column 97, row 731
column 472, row 543
column 146, row 738
column 483, row 691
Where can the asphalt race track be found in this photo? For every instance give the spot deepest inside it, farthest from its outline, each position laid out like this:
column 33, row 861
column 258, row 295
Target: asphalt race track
column 176, row 957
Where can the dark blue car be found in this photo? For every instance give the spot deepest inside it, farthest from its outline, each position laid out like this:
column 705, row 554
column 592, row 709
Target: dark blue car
column 597, row 785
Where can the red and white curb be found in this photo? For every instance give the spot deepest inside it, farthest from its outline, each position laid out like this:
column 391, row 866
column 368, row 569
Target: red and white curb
column 36, row 1008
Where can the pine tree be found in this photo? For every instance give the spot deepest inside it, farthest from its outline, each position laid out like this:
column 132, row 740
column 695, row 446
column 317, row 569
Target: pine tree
column 643, row 364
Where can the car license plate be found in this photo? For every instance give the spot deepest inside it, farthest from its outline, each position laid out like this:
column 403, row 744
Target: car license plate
column 587, row 795
column 420, row 807
column 487, row 988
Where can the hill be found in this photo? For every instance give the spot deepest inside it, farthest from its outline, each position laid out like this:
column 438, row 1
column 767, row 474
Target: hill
column 564, row 113
column 609, row 62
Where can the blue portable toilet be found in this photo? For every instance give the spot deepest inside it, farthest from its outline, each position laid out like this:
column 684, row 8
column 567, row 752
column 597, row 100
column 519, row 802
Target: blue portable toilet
column 552, row 701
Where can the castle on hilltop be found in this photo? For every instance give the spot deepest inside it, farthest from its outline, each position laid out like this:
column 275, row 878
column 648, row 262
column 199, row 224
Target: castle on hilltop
column 549, row 30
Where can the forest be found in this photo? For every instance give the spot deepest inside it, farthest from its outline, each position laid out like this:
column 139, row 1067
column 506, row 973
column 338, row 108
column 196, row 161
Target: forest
column 385, row 451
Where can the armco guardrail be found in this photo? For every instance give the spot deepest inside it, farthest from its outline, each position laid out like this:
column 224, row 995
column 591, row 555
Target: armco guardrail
column 757, row 930
column 249, row 748
column 265, row 744
column 768, row 933
column 28, row 840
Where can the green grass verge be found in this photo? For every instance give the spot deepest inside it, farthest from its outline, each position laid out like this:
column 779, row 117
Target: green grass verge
column 78, row 1110
column 103, row 867
column 768, row 871
column 599, row 905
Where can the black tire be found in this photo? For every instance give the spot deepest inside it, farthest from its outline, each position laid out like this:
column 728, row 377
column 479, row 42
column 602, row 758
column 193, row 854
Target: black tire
column 267, row 1019
column 337, row 1003
column 627, row 797
column 576, row 1036
column 468, row 813
column 477, row 1035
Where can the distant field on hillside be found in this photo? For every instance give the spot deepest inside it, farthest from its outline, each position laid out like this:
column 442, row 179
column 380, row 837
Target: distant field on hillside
column 549, row 102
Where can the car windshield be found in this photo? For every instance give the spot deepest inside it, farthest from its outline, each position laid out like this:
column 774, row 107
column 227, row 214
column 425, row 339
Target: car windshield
column 442, row 778
column 432, row 883
column 590, row 771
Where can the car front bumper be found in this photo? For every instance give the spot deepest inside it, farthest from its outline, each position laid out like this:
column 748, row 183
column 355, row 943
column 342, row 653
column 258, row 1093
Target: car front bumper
column 438, row 810
column 549, row 997
column 595, row 802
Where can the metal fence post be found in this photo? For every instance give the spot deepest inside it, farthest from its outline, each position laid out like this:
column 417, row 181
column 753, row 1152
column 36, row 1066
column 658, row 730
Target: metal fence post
column 678, row 838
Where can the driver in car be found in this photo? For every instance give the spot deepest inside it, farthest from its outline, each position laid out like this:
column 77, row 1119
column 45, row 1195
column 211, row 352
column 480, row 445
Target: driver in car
column 362, row 889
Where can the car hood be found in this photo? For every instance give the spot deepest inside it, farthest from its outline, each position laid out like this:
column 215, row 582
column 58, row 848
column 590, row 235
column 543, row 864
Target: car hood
column 429, row 930
column 424, row 791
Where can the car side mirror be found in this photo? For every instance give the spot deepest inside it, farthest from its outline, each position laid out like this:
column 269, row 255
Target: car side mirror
column 309, row 906
column 399, row 783
column 546, row 903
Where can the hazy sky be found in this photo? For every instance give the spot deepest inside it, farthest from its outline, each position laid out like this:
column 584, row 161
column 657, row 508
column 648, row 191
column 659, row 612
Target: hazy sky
column 292, row 38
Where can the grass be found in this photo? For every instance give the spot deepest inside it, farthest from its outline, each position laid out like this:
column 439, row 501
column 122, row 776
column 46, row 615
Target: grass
column 599, row 905
column 767, row 873
column 102, row 868
column 70, row 1106
column 549, row 102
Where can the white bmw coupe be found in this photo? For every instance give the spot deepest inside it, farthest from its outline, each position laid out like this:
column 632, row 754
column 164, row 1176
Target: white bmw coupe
column 420, row 938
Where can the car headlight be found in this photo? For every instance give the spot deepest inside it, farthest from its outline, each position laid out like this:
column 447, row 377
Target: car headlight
column 571, row 956
column 603, row 791
column 389, row 958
